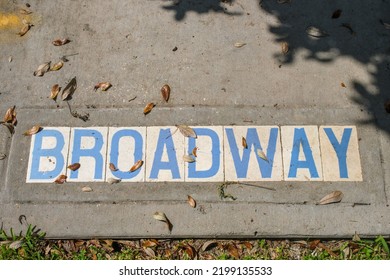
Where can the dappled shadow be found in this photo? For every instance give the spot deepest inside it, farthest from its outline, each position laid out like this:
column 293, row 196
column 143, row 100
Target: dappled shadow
column 357, row 31
column 182, row 7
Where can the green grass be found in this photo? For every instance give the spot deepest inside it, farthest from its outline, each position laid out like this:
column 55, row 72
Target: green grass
column 32, row 245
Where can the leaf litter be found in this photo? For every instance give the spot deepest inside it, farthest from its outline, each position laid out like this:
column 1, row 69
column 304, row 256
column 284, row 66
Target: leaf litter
column 333, row 197
column 160, row 216
column 42, row 69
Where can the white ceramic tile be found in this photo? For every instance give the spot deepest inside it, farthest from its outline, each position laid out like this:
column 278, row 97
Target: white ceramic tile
column 245, row 164
column 48, row 154
column 88, row 146
column 208, row 165
column 126, row 145
column 164, row 154
column 301, row 153
column 340, row 153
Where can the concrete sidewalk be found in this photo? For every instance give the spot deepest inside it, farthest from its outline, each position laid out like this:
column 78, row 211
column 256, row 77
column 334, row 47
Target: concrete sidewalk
column 311, row 110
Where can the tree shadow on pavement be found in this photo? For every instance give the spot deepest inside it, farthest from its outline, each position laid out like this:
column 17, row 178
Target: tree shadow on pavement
column 182, row 7
column 359, row 30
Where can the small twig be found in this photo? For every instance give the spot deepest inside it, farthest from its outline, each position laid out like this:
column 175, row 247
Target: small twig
column 132, row 98
column 77, row 115
column 252, row 185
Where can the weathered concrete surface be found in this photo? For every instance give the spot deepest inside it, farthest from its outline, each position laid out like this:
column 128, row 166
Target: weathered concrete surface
column 130, row 44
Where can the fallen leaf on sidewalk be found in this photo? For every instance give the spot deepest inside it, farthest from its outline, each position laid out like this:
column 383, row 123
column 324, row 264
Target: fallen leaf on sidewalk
column 194, row 151
column 160, row 216
column 87, row 189
column 60, row 42
column 188, row 158
column 26, row 27
column 239, row 44
column 191, row 201
column 333, row 197
column 316, row 32
column 74, row 166
column 285, row 48
column 70, row 88
column 24, row 11
column 336, row 14
column 136, row 166
column 186, row 131
column 113, row 181
column 2, row 156
column 261, row 154
column 35, row 129
column 113, row 167
column 243, row 142
column 42, row 69
column 57, row 66
column 103, row 86
column 148, row 108
column 61, row 179
column 343, row 85
column 55, row 90
column 10, row 115
column 165, row 92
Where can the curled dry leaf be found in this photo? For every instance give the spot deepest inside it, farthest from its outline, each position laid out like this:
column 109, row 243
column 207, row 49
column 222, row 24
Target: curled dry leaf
column 25, row 11
column 208, row 245
column 194, row 151
column 261, row 154
column 137, row 165
column 149, row 252
column 60, row 42
column 74, row 166
column 233, row 251
column 316, row 32
column 42, row 69
column 239, row 44
column 333, row 197
column 113, row 167
column 16, row 244
column 336, row 14
column 285, row 47
column 243, row 142
column 165, row 92
column 70, row 88
column 55, row 90
column 191, row 252
column 57, row 66
column 191, row 201
column 160, row 216
column 61, row 179
column 35, row 129
column 2, row 156
column 186, row 131
column 10, row 59
column 113, row 181
column 188, row 158
column 10, row 115
column 103, row 86
column 26, row 27
column 343, row 85
column 148, row 108
column 87, row 189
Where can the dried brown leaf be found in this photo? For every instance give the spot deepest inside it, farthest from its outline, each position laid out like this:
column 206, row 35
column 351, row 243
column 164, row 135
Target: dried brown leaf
column 188, row 158
column 186, row 131
column 233, row 251
column 160, row 216
column 87, row 189
column 137, row 165
column 150, row 252
column 60, row 42
column 191, row 252
column 10, row 59
column 148, row 108
column 74, row 166
column 113, row 167
column 313, row 244
column 10, row 115
column 336, row 14
column 2, row 156
column 194, row 151
column 55, row 90
column 333, row 197
column 208, row 245
column 26, row 27
column 70, row 88
column 191, row 201
column 10, row 127
column 113, row 181
column 57, row 66
column 239, row 44
column 35, row 129
column 16, row 244
column 261, row 154
column 165, row 92
column 316, row 32
column 25, row 11
column 42, row 69
column 61, row 179
column 343, row 85
column 243, row 142
column 285, row 47
column 103, row 86
column 149, row 243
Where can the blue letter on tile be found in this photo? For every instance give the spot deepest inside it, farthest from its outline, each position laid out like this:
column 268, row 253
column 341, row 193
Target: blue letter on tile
column 340, row 148
column 252, row 139
column 300, row 139
column 115, row 151
column 215, row 153
column 39, row 152
column 94, row 152
column 165, row 141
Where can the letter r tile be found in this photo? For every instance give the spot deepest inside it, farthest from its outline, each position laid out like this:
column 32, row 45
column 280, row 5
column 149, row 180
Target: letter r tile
column 88, row 146
column 340, row 153
column 48, row 154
